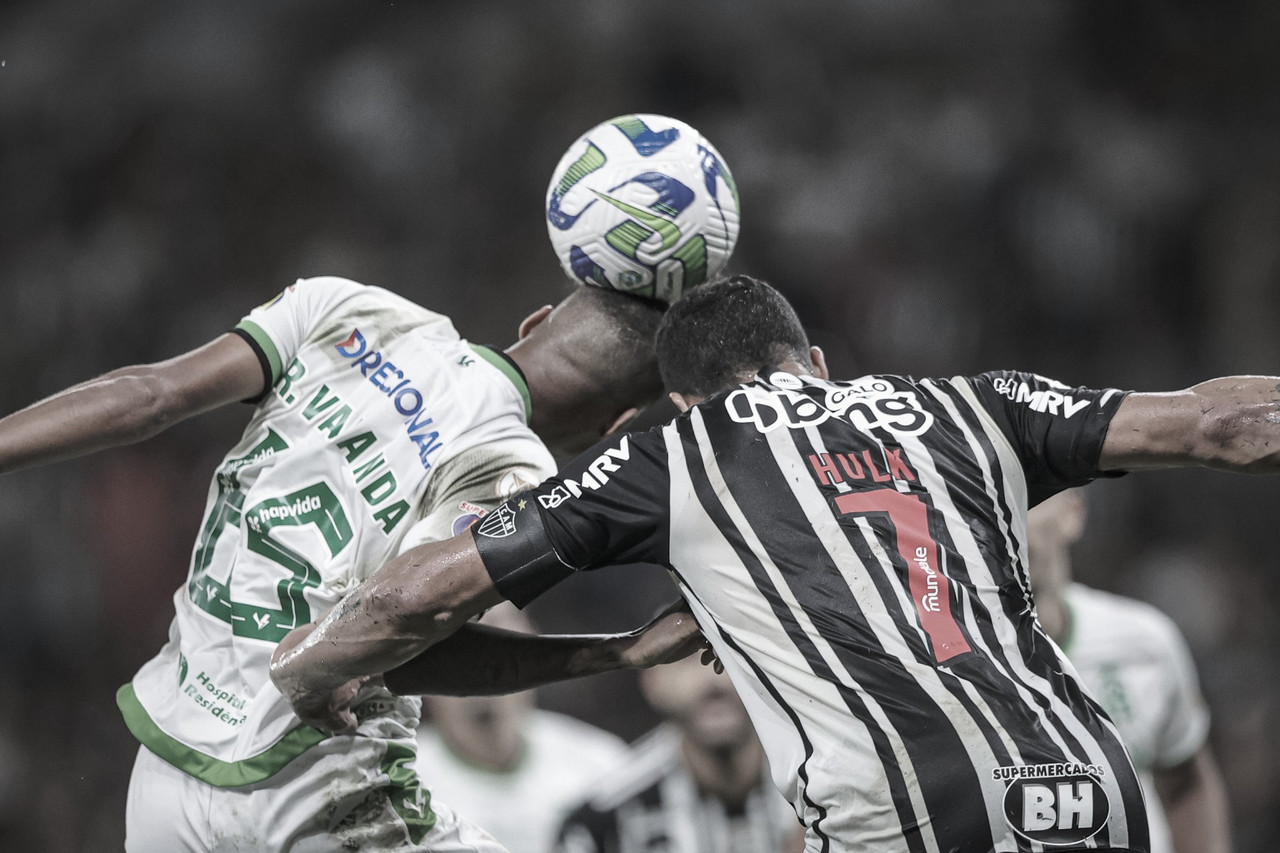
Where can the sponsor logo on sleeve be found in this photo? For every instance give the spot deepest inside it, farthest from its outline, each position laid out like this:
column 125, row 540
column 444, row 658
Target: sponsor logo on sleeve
column 554, row 498
column 499, row 524
column 1050, row 400
column 595, row 477
column 470, row 515
column 1055, row 804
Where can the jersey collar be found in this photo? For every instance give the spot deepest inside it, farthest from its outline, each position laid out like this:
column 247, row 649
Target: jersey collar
column 503, row 362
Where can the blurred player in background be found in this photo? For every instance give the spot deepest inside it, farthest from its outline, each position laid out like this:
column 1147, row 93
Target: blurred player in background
column 855, row 552
column 696, row 784
column 507, row 765
column 1134, row 661
column 374, row 425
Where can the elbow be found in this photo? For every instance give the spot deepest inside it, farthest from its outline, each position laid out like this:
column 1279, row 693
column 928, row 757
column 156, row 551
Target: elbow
column 164, row 404
column 155, row 402
column 407, row 613
column 1245, row 439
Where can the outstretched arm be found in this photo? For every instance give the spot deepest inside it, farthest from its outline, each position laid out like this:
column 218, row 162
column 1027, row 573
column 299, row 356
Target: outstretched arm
column 480, row 660
column 129, row 404
column 1232, row 424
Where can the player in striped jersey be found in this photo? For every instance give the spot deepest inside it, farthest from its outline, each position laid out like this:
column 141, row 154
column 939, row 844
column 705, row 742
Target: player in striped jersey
column 856, row 554
column 698, row 783
column 374, row 425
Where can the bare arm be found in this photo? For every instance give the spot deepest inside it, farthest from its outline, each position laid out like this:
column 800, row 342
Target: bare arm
column 1195, row 802
column 1232, row 424
column 407, row 606
column 480, row 660
column 129, row 404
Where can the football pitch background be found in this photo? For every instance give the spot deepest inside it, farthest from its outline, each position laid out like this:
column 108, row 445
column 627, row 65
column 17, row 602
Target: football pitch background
column 1090, row 191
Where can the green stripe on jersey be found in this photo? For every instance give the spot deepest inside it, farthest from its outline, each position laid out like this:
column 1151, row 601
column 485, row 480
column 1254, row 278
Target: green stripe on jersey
column 206, row 768
column 500, row 362
column 262, row 339
column 410, row 800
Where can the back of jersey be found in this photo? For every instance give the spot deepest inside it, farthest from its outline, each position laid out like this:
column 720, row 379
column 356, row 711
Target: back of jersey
column 855, row 550
column 373, row 407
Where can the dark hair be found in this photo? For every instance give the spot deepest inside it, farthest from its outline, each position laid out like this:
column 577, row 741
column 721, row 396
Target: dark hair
column 719, row 332
column 634, row 319
column 613, row 345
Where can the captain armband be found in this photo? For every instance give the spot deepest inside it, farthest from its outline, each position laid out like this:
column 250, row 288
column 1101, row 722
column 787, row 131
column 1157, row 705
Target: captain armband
column 513, row 544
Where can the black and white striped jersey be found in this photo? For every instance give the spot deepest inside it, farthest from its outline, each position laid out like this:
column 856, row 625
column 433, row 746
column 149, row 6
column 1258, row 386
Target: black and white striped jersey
column 650, row 803
column 855, row 551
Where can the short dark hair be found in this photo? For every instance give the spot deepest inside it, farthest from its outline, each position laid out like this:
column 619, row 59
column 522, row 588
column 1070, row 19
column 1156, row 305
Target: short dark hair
column 612, row 337
column 717, row 333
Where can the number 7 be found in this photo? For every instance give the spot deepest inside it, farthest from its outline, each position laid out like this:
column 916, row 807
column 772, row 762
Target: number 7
column 930, row 588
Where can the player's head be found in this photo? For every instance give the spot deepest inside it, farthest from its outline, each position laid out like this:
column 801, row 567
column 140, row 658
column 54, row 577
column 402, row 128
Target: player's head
column 1052, row 528
column 700, row 702
column 589, row 363
column 723, row 333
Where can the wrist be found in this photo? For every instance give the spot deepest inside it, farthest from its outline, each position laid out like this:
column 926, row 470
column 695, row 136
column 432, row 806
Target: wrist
column 601, row 654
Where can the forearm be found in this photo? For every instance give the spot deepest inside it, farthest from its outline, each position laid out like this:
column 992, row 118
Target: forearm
column 480, row 660
column 1242, row 423
column 407, row 606
column 119, row 408
column 1231, row 424
column 1195, row 803
column 129, row 404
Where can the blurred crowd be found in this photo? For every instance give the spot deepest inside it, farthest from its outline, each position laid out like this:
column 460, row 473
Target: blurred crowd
column 1089, row 190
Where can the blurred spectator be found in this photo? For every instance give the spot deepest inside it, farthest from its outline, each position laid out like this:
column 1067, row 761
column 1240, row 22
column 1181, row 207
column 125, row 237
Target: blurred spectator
column 1132, row 659
column 507, row 766
column 698, row 783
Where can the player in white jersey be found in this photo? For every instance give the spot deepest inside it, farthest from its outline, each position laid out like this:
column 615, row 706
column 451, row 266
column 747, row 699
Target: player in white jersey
column 855, row 552
column 1135, row 662
column 375, row 425
column 509, row 766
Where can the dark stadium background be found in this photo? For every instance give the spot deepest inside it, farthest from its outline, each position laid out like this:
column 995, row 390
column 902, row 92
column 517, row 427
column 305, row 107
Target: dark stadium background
column 1090, row 190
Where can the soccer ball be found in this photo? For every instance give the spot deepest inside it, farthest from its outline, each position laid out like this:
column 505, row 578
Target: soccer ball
column 642, row 204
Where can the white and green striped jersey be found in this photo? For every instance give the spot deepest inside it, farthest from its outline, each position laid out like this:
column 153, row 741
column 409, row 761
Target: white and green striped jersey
column 380, row 427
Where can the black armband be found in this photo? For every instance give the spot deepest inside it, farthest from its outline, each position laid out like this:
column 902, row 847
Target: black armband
column 513, row 545
column 263, row 361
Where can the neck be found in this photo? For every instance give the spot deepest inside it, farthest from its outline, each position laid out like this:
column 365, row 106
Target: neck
column 729, row 773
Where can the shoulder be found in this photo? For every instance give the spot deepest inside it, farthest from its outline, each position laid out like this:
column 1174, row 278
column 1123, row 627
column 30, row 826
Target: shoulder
column 376, row 305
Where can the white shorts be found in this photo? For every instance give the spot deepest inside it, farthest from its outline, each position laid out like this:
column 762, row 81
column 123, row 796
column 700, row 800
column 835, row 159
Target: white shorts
column 339, row 796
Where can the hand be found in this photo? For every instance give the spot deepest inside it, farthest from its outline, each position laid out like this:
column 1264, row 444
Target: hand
column 328, row 708
column 673, row 635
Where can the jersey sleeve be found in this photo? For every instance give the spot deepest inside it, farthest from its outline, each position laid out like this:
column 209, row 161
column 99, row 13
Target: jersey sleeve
column 1057, row 431
column 469, row 486
column 608, row 506
column 1185, row 724
column 277, row 328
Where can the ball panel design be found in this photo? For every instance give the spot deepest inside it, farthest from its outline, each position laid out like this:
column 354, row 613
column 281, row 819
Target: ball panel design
column 642, row 204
